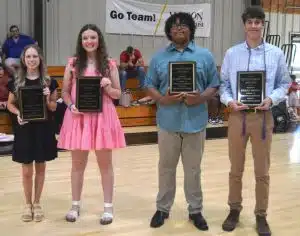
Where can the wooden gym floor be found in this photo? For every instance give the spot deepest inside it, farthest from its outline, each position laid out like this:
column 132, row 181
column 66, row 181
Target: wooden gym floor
column 136, row 188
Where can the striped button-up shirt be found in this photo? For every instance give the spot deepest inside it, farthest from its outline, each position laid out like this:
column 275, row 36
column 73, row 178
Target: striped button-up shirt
column 264, row 57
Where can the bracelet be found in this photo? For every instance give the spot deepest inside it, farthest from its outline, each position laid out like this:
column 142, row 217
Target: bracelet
column 71, row 104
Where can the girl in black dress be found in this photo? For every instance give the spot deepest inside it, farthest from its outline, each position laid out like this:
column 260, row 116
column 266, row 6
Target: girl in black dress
column 34, row 141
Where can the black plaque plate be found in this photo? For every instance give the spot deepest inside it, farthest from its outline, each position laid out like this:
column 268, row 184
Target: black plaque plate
column 89, row 94
column 251, row 87
column 32, row 103
column 182, row 76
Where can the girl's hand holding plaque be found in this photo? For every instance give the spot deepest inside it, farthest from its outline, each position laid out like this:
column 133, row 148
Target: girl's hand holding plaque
column 105, row 82
column 46, row 91
column 74, row 110
column 20, row 120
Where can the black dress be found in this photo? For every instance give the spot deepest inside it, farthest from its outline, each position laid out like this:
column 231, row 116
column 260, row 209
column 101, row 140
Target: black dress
column 35, row 141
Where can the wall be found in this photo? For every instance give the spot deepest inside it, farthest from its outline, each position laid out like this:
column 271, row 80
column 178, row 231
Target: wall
column 65, row 18
column 16, row 12
column 286, row 6
column 283, row 21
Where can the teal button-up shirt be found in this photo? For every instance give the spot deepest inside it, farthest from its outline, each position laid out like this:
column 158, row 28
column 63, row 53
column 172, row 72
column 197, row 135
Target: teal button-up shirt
column 180, row 117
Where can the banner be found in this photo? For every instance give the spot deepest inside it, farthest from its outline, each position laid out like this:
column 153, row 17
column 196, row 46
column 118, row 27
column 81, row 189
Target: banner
column 143, row 18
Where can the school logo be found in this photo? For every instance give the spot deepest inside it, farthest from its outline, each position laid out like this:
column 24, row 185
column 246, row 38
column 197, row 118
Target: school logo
column 198, row 18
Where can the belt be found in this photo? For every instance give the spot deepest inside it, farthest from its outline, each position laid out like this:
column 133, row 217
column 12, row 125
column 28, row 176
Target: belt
column 252, row 110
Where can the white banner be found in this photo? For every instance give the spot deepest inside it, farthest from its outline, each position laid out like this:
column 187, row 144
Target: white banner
column 143, row 18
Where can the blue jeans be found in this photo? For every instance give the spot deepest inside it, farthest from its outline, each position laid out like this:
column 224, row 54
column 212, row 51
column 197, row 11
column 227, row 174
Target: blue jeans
column 138, row 72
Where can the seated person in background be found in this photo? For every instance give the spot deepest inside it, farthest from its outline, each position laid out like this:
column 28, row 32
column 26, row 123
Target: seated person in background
column 214, row 110
column 132, row 65
column 13, row 47
column 1, row 53
column 4, row 78
column 294, row 99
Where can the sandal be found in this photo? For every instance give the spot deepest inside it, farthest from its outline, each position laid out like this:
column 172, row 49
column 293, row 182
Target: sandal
column 27, row 215
column 107, row 217
column 38, row 214
column 73, row 214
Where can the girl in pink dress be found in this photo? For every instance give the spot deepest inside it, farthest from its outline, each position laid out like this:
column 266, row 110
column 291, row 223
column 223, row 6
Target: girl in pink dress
column 82, row 132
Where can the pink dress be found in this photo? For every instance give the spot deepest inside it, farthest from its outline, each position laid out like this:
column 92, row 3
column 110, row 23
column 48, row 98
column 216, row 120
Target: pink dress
column 91, row 131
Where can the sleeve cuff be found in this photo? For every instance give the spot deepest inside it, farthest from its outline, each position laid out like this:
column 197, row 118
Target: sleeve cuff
column 274, row 101
column 149, row 85
column 227, row 101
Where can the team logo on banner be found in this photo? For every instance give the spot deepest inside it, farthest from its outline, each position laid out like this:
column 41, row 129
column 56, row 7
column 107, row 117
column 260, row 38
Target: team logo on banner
column 143, row 18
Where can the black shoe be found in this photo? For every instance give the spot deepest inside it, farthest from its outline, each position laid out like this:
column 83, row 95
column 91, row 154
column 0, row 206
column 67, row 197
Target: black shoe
column 159, row 219
column 231, row 221
column 199, row 221
column 262, row 226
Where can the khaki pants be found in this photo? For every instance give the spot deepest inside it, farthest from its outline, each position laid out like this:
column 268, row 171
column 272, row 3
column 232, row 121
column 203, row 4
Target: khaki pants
column 261, row 156
column 190, row 146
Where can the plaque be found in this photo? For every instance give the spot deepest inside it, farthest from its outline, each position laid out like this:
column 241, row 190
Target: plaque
column 251, row 87
column 32, row 103
column 182, row 76
column 89, row 94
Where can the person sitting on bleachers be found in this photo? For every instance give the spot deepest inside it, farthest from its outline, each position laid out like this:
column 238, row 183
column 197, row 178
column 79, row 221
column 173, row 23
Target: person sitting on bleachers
column 4, row 78
column 1, row 53
column 214, row 110
column 13, row 47
column 132, row 65
column 294, row 100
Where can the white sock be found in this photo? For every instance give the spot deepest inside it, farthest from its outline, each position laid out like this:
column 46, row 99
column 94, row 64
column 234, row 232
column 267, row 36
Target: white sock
column 108, row 205
column 75, row 203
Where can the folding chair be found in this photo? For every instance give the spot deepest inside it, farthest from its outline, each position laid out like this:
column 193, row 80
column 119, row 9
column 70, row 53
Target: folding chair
column 289, row 51
column 273, row 39
column 266, row 29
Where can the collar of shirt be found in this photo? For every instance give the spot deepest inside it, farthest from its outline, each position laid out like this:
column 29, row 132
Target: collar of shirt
column 190, row 46
column 261, row 46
